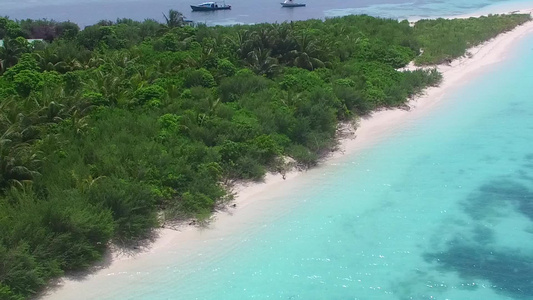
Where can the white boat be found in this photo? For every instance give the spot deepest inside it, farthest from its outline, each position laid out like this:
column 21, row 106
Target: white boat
column 290, row 3
column 210, row 6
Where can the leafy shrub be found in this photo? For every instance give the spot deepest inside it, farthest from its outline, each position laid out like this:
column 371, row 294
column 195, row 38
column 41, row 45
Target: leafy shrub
column 242, row 83
column 96, row 98
column 27, row 81
column 7, row 294
column 225, row 68
column 196, row 204
column 149, row 93
column 131, row 205
column 303, row 155
column 265, row 149
column 200, row 77
column 26, row 63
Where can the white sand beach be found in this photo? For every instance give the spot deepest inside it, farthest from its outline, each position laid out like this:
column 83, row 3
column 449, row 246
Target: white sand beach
column 256, row 203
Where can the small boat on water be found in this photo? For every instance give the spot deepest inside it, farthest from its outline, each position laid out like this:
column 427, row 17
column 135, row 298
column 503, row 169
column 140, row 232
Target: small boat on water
column 210, row 6
column 290, row 3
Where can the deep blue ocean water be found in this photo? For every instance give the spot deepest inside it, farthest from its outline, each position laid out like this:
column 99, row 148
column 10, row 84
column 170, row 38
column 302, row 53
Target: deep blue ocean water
column 87, row 12
column 440, row 209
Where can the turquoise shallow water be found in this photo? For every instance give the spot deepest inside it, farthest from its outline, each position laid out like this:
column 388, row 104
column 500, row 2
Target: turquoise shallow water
column 442, row 209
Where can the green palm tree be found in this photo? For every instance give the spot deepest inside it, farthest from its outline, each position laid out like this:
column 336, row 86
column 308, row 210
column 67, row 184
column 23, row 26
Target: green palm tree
column 264, row 38
column 260, row 61
column 10, row 53
column 18, row 161
column 307, row 53
column 78, row 122
column 113, row 85
column 174, row 19
column 63, row 57
column 243, row 43
column 282, row 39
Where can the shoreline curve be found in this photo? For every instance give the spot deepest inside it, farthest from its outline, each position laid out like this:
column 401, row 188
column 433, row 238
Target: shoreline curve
column 249, row 205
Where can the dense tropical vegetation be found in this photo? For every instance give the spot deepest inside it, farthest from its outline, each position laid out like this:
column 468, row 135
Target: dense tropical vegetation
column 444, row 40
column 107, row 132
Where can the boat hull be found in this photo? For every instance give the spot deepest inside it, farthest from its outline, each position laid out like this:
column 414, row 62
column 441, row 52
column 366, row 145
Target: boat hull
column 292, row 4
column 203, row 8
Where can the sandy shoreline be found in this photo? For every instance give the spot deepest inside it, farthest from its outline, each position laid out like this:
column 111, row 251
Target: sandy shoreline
column 255, row 200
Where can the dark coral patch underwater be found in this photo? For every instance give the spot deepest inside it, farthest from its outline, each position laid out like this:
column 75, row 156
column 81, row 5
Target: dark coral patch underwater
column 507, row 268
column 508, row 272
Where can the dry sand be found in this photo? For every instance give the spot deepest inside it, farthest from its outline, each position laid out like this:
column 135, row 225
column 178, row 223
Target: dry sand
column 258, row 203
